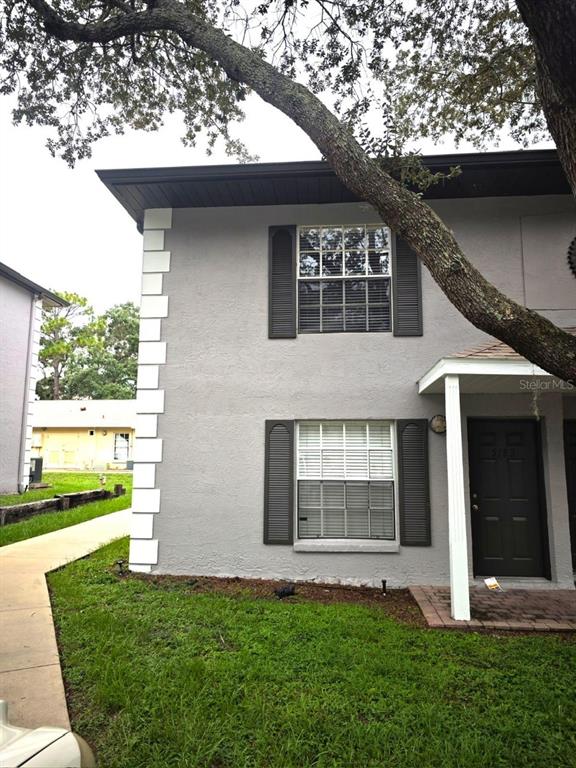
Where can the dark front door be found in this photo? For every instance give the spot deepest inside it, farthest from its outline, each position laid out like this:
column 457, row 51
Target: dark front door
column 570, row 455
column 507, row 511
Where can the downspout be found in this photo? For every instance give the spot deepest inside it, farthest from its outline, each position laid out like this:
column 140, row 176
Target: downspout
column 22, row 486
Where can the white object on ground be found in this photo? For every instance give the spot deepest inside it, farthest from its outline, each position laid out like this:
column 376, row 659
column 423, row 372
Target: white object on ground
column 41, row 747
column 493, row 585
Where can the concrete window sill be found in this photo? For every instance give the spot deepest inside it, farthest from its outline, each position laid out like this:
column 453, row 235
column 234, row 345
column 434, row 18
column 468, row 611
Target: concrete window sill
column 345, row 545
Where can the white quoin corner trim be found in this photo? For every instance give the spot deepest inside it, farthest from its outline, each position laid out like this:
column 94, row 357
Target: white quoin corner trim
column 152, row 352
column 30, row 392
column 459, row 589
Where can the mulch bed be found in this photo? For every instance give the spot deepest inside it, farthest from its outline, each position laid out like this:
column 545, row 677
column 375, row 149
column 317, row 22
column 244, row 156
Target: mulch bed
column 397, row 603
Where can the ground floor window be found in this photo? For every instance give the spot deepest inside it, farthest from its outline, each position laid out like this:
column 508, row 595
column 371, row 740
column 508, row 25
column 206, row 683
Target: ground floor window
column 121, row 446
column 345, row 475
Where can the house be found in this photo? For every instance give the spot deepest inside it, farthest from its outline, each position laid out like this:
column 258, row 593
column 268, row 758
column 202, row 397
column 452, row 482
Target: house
column 84, row 434
column 21, row 302
column 310, row 404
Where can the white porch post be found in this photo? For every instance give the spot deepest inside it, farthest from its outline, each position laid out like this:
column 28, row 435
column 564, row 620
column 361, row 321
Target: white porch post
column 459, row 592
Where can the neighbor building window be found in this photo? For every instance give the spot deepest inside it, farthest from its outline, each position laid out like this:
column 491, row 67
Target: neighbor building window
column 345, row 475
column 344, row 279
column 121, row 446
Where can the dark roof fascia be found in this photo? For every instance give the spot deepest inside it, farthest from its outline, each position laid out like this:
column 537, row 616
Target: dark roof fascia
column 216, row 172
column 302, row 168
column 29, row 285
column 540, row 161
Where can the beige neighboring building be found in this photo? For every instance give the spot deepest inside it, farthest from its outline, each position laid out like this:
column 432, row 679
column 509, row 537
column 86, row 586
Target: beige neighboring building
column 84, row 434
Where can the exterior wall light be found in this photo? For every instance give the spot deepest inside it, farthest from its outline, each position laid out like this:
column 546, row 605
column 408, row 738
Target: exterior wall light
column 438, row 424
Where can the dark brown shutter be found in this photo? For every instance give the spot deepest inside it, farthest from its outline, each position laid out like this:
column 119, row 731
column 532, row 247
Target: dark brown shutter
column 279, row 483
column 282, row 282
column 406, row 291
column 413, row 486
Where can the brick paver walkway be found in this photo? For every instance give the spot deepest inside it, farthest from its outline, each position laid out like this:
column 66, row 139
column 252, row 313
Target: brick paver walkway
column 515, row 609
column 30, row 676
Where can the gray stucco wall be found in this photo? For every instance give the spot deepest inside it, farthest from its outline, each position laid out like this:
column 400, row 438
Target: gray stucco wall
column 223, row 377
column 15, row 309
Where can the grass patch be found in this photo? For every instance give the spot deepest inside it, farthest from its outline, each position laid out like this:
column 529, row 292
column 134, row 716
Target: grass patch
column 159, row 675
column 64, row 482
column 67, row 482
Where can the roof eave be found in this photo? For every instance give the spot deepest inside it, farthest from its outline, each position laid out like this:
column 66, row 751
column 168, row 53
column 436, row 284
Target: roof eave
column 228, row 172
column 48, row 297
column 489, row 174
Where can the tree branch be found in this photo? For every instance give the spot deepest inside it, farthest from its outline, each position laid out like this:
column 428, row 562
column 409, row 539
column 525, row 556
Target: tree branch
column 530, row 334
column 124, row 7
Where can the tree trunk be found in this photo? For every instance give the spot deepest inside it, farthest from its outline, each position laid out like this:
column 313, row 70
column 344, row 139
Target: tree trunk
column 56, row 382
column 530, row 334
column 552, row 27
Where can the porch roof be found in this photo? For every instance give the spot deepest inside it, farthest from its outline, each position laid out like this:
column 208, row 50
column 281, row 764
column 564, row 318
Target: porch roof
column 491, row 368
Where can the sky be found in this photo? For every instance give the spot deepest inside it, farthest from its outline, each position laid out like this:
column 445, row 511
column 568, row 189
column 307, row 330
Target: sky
column 61, row 228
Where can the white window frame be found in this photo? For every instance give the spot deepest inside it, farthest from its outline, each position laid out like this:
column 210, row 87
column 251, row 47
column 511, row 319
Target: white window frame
column 344, row 277
column 128, row 446
column 347, row 544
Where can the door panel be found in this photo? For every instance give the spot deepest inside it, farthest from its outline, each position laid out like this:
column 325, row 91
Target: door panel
column 570, row 457
column 506, row 499
column 492, row 538
column 489, row 478
column 517, row 480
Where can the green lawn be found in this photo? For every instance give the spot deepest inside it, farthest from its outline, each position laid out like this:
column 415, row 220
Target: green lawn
column 64, row 482
column 67, row 482
column 159, row 676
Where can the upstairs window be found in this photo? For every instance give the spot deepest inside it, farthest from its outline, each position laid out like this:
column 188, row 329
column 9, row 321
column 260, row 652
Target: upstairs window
column 344, row 279
column 345, row 473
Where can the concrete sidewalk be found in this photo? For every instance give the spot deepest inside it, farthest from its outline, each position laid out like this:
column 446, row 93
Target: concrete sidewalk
column 30, row 675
